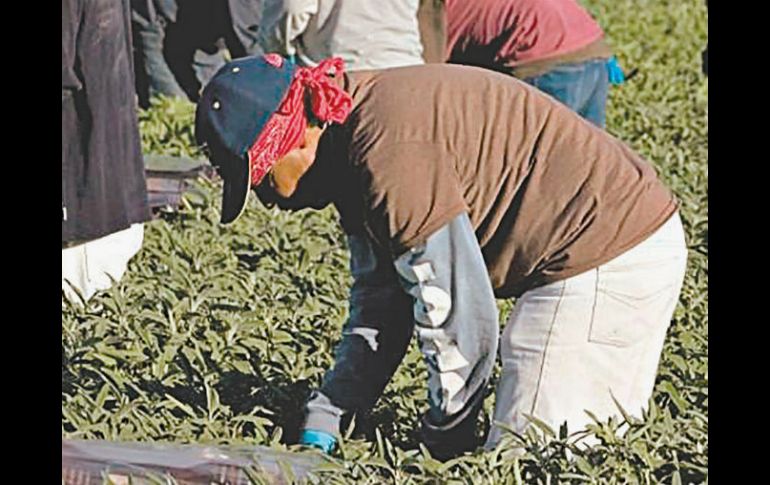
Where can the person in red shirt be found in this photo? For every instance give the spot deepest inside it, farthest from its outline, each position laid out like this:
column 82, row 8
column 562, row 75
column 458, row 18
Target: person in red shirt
column 553, row 45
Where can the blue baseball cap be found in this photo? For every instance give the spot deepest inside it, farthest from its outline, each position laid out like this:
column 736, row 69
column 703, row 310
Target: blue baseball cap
column 234, row 107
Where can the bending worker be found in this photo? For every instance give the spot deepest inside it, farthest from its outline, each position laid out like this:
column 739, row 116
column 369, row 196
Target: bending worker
column 554, row 45
column 454, row 205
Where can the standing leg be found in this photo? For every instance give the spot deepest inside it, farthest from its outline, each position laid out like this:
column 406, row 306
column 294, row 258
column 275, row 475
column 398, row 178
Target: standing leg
column 153, row 75
column 206, row 62
column 243, row 27
column 194, row 48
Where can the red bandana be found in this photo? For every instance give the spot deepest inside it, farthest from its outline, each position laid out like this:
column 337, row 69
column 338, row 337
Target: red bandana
column 286, row 127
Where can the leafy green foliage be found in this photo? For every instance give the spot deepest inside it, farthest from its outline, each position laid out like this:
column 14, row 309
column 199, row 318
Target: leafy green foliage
column 217, row 334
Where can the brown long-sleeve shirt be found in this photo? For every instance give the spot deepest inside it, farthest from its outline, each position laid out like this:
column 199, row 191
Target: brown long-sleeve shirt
column 549, row 194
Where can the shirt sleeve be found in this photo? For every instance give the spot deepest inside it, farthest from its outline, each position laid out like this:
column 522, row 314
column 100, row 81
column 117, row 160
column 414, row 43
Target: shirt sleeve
column 283, row 21
column 410, row 191
column 456, row 323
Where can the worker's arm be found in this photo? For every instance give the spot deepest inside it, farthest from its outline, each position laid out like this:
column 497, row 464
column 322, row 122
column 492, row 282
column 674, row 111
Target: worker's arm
column 283, row 22
column 440, row 288
column 414, row 205
column 374, row 340
column 457, row 325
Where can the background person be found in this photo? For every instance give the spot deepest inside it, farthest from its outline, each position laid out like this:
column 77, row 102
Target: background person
column 180, row 44
column 554, row 45
column 104, row 195
column 365, row 34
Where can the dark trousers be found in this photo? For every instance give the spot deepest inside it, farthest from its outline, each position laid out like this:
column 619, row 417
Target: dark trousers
column 179, row 45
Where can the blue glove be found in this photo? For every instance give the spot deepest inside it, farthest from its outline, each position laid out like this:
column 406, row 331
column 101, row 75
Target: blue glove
column 318, row 439
column 614, row 71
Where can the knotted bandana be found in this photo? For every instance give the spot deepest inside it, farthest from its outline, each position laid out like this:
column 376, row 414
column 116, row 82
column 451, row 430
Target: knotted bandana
column 286, row 126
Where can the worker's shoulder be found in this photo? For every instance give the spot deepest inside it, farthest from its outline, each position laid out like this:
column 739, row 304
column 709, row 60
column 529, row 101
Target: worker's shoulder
column 428, row 83
column 448, row 73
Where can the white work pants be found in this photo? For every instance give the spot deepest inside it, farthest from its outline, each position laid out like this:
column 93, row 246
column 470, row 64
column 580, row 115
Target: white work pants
column 571, row 345
column 93, row 265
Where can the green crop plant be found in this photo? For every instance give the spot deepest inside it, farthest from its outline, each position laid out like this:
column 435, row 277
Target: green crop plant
column 217, row 334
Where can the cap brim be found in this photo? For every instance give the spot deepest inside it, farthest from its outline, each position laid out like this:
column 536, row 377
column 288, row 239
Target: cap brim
column 236, row 192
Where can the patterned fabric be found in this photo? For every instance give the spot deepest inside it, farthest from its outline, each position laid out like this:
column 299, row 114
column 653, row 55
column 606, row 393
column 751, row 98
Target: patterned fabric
column 285, row 128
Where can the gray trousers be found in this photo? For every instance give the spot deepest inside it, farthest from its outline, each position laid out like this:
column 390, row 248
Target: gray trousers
column 440, row 291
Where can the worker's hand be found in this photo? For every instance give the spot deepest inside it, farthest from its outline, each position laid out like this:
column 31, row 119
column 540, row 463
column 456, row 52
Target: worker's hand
column 614, row 71
column 318, row 439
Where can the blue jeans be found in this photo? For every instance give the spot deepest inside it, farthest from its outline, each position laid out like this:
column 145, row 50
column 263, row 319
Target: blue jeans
column 153, row 75
column 581, row 86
